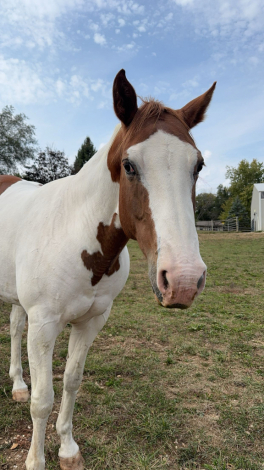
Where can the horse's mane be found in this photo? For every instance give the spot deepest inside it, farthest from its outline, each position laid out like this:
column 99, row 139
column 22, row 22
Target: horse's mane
column 150, row 110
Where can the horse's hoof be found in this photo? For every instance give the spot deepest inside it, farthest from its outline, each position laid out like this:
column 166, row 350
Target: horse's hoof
column 21, row 395
column 72, row 463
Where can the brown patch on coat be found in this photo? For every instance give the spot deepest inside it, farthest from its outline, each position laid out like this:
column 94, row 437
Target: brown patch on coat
column 112, row 242
column 6, row 181
column 138, row 124
column 135, row 214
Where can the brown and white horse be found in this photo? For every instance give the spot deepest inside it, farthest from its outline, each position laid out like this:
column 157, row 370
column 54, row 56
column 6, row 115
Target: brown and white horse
column 63, row 255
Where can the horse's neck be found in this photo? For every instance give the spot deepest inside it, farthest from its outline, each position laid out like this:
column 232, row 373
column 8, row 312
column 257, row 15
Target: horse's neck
column 94, row 190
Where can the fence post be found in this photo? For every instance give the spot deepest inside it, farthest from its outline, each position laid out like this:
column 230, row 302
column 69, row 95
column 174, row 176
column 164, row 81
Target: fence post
column 237, row 224
column 212, row 225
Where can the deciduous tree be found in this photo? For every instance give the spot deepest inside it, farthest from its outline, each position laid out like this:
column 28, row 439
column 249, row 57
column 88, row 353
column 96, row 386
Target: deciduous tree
column 205, row 207
column 17, row 140
column 243, row 178
column 49, row 165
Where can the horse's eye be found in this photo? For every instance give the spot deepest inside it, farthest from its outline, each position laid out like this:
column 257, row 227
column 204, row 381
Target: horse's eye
column 129, row 169
column 199, row 168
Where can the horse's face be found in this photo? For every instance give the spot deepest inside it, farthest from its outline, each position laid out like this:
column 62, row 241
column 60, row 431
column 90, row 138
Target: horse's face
column 157, row 163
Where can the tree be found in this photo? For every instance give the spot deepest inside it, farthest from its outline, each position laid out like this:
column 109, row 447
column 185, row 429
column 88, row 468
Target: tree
column 243, row 178
column 49, row 165
column 17, row 140
column 205, row 207
column 84, row 154
column 226, row 207
column 222, row 196
column 238, row 210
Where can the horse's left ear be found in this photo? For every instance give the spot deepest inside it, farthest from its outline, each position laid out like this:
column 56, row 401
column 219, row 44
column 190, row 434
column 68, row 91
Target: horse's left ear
column 125, row 98
column 194, row 112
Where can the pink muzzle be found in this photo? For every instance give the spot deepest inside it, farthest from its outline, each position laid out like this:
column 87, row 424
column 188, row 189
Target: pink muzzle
column 179, row 286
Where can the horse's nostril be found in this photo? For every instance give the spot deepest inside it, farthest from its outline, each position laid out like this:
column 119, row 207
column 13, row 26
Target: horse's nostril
column 200, row 281
column 165, row 280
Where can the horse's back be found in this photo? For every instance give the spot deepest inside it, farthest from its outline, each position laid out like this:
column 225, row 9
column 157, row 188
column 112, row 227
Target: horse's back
column 6, row 181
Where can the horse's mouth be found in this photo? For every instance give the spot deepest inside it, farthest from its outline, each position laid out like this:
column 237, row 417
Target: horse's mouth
column 158, row 295
column 159, row 298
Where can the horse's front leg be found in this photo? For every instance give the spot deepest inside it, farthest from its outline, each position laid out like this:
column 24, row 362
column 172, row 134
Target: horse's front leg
column 17, row 324
column 41, row 339
column 81, row 338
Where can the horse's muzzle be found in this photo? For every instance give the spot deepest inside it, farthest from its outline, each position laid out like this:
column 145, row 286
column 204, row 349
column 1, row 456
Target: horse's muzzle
column 176, row 289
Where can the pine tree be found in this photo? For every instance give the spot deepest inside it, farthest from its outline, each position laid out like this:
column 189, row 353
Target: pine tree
column 84, row 154
column 49, row 165
column 238, row 210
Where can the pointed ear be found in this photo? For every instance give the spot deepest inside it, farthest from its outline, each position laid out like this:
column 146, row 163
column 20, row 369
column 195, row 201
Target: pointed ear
column 125, row 98
column 194, row 112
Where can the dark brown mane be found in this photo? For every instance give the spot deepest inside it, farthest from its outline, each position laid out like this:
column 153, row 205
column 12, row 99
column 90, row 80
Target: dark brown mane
column 150, row 113
column 151, row 116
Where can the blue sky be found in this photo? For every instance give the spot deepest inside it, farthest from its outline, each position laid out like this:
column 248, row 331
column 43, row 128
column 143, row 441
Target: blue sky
column 58, row 59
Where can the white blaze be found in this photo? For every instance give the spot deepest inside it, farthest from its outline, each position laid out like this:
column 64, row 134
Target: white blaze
column 166, row 164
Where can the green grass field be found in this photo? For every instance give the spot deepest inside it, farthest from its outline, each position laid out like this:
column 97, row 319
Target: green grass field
column 163, row 389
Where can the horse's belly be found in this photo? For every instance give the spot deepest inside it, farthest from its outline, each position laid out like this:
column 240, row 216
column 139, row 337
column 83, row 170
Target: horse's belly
column 8, row 290
column 12, row 203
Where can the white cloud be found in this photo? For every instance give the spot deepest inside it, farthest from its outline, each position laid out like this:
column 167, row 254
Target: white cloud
column 254, row 60
column 183, row 2
column 60, row 87
column 20, row 83
column 168, row 17
column 93, row 26
column 121, row 22
column 207, row 154
column 106, row 18
column 192, row 83
column 227, row 17
column 25, row 84
column 99, row 39
column 32, row 23
column 127, row 47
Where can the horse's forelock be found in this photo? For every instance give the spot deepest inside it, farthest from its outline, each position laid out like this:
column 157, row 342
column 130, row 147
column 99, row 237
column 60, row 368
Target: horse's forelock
column 150, row 116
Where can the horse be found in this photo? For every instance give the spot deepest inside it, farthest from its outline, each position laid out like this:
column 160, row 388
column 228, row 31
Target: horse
column 63, row 254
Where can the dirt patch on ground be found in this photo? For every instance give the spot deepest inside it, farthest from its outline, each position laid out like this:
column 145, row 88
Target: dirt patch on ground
column 236, row 290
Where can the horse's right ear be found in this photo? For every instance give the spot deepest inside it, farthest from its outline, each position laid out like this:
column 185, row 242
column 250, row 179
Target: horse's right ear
column 125, row 98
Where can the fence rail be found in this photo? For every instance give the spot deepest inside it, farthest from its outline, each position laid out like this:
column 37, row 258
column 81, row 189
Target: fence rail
column 229, row 225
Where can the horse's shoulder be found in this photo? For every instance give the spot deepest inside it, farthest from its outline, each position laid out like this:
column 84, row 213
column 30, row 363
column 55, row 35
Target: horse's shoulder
column 6, row 181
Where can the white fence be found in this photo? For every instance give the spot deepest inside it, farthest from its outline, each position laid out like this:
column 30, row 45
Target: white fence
column 229, row 225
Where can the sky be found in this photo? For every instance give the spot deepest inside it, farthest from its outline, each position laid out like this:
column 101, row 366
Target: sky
column 58, row 60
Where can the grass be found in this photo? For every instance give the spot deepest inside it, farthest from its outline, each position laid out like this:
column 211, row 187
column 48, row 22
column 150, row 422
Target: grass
column 163, row 389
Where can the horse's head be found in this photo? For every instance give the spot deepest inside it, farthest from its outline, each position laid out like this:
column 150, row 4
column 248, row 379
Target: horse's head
column 156, row 163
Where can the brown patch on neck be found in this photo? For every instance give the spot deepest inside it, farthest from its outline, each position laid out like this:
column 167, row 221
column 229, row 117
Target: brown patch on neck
column 112, row 241
column 6, row 181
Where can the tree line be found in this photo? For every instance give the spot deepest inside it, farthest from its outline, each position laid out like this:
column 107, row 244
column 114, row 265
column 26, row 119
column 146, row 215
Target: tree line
column 235, row 200
column 18, row 146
